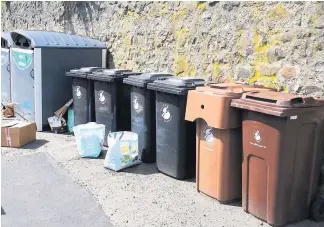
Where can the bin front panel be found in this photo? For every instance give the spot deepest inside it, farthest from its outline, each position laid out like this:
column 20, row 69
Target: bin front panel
column 22, row 65
column 175, row 138
column 105, row 106
column 143, row 122
column 81, row 102
column 123, row 107
column 281, row 165
column 219, row 162
column 5, row 77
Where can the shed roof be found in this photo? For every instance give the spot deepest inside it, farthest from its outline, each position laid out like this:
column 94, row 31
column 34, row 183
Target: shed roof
column 6, row 36
column 45, row 39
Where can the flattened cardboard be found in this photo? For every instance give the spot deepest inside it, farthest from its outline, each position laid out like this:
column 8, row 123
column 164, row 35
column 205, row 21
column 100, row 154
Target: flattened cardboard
column 17, row 133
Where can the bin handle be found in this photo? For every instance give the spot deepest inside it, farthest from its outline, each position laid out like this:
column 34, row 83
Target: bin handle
column 8, row 67
column 31, row 73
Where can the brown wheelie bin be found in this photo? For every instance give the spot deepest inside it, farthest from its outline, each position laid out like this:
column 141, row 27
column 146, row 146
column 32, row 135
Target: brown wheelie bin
column 283, row 137
column 219, row 139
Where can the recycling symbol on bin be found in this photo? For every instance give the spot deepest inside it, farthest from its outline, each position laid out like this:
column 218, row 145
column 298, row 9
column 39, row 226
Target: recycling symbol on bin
column 208, row 134
column 102, row 98
column 78, row 92
column 166, row 115
column 257, row 136
column 136, row 105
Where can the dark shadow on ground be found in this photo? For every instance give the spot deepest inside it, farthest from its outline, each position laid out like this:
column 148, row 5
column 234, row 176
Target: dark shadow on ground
column 235, row 203
column 142, row 168
column 2, row 211
column 193, row 180
column 35, row 144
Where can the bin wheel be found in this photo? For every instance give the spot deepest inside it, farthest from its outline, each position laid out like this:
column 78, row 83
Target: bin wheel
column 318, row 209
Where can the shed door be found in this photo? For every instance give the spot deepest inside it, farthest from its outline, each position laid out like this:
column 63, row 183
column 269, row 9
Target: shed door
column 5, row 77
column 23, row 82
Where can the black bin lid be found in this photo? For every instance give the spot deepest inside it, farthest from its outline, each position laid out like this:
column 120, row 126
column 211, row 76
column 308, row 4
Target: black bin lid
column 145, row 78
column 111, row 75
column 176, row 85
column 82, row 72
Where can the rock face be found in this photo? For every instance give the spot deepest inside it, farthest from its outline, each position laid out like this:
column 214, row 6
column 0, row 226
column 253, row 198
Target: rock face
column 279, row 45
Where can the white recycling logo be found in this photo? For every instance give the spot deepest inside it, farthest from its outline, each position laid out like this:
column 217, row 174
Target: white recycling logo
column 102, row 98
column 257, row 136
column 166, row 113
column 209, row 136
column 78, row 92
column 135, row 103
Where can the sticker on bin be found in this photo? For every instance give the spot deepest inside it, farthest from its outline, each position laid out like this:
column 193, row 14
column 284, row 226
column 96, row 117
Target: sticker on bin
column 78, row 92
column 166, row 115
column 257, row 138
column 137, row 107
column 122, row 151
column 102, row 98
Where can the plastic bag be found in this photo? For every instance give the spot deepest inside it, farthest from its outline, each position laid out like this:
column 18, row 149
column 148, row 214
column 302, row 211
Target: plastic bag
column 122, row 151
column 89, row 138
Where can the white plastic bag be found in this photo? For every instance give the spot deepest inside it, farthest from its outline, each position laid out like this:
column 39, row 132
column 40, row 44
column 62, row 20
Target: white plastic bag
column 89, row 138
column 122, row 151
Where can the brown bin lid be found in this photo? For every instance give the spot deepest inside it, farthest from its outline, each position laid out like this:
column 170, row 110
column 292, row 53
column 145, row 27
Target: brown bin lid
column 276, row 103
column 213, row 104
column 229, row 88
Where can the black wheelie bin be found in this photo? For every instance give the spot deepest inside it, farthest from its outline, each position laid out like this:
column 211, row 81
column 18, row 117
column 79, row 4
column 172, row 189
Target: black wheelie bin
column 143, row 113
column 175, row 137
column 112, row 99
column 82, row 90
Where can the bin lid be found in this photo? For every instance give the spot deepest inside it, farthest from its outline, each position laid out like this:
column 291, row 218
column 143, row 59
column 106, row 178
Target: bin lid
column 176, row 85
column 111, row 75
column 229, row 89
column 5, row 36
column 145, row 78
column 212, row 103
column 276, row 103
column 82, row 72
column 46, row 39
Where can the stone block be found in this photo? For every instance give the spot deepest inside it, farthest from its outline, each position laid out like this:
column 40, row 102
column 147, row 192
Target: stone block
column 244, row 72
column 268, row 69
column 275, row 54
column 289, row 71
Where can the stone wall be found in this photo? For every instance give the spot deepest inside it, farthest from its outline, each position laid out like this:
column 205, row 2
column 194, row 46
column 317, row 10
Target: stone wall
column 280, row 45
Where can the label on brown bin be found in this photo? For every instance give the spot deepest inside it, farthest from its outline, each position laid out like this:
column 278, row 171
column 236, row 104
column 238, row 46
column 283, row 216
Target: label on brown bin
column 207, row 133
column 258, row 139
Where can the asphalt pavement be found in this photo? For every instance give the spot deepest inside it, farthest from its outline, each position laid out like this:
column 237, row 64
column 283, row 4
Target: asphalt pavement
column 37, row 192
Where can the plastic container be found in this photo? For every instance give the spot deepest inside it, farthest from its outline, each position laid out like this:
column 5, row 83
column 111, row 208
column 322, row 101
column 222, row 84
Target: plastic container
column 70, row 120
column 175, row 137
column 89, row 138
column 282, row 145
column 122, row 151
column 83, row 101
column 143, row 113
column 112, row 99
column 219, row 139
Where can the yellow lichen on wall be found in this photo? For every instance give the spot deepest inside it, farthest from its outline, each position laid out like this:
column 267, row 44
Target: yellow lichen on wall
column 201, row 5
column 278, row 12
column 267, row 81
column 216, row 70
column 192, row 70
column 180, row 65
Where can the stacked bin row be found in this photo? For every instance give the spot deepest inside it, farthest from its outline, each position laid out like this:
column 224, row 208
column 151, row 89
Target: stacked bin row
column 240, row 141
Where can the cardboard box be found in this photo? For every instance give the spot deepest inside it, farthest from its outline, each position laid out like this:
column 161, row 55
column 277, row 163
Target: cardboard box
column 17, row 133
